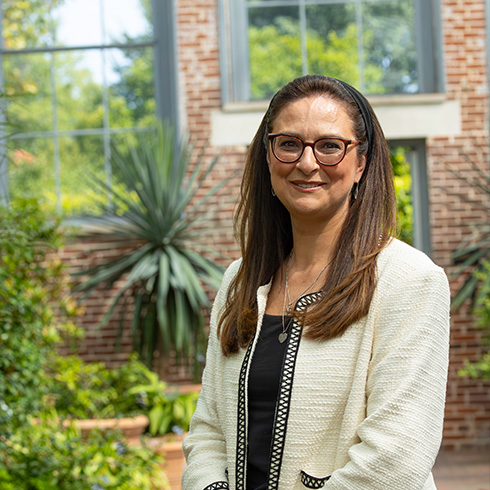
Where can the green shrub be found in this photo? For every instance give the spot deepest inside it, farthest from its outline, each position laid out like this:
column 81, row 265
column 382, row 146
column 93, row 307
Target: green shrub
column 34, row 296
column 82, row 390
column 480, row 369
column 47, row 456
column 32, row 288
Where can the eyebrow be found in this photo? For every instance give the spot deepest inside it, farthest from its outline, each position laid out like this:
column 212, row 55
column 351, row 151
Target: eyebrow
column 326, row 136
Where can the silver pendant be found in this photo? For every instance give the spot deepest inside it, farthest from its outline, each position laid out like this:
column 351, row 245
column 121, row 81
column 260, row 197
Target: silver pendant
column 282, row 337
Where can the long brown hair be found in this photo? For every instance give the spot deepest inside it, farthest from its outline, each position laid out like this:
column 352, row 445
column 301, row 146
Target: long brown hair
column 263, row 228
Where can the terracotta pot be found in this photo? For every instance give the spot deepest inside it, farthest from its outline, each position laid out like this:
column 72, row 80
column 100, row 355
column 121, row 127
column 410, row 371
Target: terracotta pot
column 131, row 427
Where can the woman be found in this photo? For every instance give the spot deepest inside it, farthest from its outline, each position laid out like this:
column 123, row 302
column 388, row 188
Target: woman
column 328, row 349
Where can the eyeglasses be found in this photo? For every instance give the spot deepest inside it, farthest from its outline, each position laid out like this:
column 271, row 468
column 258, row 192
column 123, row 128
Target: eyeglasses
column 327, row 151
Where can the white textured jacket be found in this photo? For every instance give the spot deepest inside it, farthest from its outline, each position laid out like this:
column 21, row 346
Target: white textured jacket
column 363, row 411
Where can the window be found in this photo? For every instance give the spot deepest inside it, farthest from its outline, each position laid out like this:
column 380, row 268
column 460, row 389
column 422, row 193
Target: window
column 412, row 200
column 379, row 46
column 82, row 76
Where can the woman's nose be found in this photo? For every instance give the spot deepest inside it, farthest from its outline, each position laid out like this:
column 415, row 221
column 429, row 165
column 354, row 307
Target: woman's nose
column 308, row 162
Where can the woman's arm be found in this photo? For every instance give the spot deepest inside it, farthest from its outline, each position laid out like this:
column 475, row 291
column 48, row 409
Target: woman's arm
column 205, row 446
column 401, row 434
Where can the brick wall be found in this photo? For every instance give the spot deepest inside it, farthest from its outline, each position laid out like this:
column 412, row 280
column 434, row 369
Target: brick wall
column 468, row 406
column 468, row 401
column 200, row 92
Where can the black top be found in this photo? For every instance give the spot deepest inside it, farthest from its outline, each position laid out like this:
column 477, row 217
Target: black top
column 263, row 388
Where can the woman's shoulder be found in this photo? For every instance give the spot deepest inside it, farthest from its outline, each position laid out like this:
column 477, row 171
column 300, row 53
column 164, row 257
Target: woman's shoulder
column 231, row 271
column 400, row 265
column 405, row 258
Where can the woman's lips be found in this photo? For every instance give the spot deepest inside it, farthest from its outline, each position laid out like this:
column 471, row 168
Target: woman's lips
column 308, row 186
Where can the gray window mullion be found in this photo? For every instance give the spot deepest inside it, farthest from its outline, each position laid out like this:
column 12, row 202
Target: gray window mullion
column 428, row 32
column 304, row 45
column 56, row 136
column 80, row 132
column 105, row 104
column 240, row 58
column 4, row 176
column 166, row 62
column 420, row 198
column 98, row 47
column 360, row 44
column 55, row 126
column 224, row 36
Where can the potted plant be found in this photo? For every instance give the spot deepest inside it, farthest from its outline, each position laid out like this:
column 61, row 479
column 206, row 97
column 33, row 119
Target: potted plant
column 160, row 209
column 89, row 396
column 130, row 398
column 170, row 412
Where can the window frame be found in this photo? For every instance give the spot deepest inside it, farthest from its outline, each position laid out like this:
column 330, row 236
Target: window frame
column 165, row 82
column 233, row 39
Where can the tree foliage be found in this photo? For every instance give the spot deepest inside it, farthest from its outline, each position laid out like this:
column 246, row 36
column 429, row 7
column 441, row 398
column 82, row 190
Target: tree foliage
column 79, row 106
column 403, row 190
column 279, row 46
column 380, row 59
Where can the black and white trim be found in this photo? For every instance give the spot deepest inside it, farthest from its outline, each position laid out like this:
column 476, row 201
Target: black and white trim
column 282, row 408
column 284, row 398
column 242, row 432
column 312, row 482
column 218, row 485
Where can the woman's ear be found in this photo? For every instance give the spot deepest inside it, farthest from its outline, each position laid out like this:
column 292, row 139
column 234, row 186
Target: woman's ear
column 361, row 165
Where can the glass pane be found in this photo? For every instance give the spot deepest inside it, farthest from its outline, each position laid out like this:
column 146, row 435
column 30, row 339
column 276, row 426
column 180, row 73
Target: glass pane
column 403, row 189
column 28, row 76
column 122, row 143
column 332, row 41
column 274, row 49
column 81, row 158
column 78, row 23
column 390, row 52
column 127, row 20
column 131, row 88
column 79, row 89
column 26, row 24
column 31, row 170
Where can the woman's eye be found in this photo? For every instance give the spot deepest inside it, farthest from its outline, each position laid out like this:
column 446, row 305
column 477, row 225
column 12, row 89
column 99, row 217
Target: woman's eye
column 289, row 144
column 328, row 146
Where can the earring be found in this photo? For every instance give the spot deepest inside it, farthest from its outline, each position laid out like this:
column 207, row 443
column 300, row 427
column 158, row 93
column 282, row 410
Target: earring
column 355, row 190
column 273, row 192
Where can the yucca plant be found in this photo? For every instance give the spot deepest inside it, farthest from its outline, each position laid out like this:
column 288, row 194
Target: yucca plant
column 160, row 211
column 474, row 250
column 472, row 260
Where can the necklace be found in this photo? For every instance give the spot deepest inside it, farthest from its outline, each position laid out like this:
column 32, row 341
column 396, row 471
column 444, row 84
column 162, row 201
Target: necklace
column 287, row 303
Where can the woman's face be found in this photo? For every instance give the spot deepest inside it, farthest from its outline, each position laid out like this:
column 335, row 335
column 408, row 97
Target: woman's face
column 309, row 190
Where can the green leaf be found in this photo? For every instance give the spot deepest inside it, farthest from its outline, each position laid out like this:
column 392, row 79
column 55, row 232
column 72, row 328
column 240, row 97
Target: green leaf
column 156, row 416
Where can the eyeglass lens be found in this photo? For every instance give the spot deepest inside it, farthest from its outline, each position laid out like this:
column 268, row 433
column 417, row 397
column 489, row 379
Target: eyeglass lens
column 289, row 149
